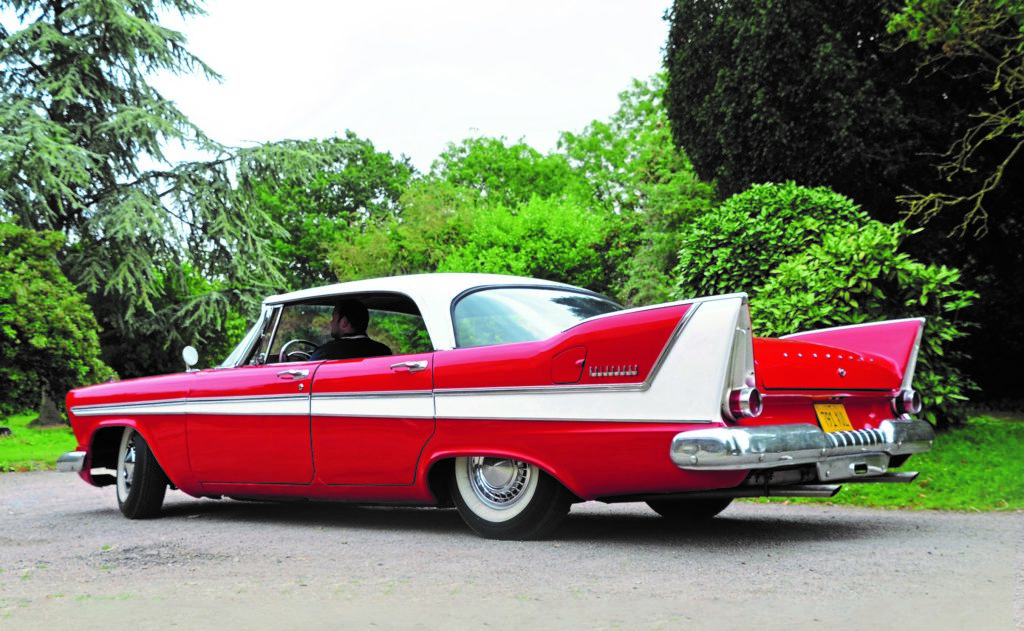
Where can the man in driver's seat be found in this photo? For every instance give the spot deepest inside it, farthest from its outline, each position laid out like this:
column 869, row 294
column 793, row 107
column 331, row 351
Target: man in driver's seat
column 348, row 328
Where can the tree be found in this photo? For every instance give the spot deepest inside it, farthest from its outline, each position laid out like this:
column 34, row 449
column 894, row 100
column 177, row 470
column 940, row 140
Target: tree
column 648, row 184
column 808, row 91
column 811, row 258
column 507, row 174
column 323, row 192
column 546, row 238
column 77, row 118
column 822, row 94
column 47, row 332
column 989, row 36
column 431, row 223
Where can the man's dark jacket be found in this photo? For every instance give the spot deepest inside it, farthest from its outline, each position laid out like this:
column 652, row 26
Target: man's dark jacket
column 351, row 347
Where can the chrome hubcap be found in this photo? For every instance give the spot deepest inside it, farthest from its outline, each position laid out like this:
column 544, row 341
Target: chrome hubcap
column 498, row 482
column 128, row 466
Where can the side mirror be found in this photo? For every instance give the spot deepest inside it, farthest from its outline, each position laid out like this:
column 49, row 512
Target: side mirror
column 191, row 357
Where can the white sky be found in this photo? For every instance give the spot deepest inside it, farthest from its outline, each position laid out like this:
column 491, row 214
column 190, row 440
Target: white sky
column 413, row 76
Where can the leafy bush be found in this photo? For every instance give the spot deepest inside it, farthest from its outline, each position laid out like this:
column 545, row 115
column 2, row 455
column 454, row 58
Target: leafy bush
column 544, row 238
column 48, row 333
column 738, row 245
column 811, row 259
column 856, row 275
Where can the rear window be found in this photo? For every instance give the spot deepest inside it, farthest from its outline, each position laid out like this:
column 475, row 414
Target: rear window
column 505, row 315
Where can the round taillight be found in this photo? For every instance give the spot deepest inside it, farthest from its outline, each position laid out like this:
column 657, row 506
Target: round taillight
column 744, row 403
column 906, row 402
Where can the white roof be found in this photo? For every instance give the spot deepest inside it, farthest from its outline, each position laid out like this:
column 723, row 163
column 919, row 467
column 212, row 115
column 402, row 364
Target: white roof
column 432, row 293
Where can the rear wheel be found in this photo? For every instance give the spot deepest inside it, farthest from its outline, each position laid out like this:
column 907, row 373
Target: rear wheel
column 141, row 483
column 689, row 510
column 501, row 498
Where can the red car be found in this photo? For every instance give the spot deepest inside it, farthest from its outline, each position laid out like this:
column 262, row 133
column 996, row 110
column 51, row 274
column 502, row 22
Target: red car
column 512, row 398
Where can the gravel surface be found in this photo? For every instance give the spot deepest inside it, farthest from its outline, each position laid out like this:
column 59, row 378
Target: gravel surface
column 67, row 557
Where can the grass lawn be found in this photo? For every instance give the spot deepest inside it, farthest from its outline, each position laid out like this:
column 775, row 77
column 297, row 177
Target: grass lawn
column 31, row 449
column 976, row 468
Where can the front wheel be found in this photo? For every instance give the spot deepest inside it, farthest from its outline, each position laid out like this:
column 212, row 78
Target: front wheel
column 689, row 510
column 501, row 498
column 141, row 483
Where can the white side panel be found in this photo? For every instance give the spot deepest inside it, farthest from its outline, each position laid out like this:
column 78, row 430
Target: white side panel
column 688, row 386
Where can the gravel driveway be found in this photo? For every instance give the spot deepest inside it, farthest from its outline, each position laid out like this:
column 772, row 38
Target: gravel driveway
column 68, row 559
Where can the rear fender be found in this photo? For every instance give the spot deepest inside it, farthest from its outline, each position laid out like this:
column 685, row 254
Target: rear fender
column 895, row 340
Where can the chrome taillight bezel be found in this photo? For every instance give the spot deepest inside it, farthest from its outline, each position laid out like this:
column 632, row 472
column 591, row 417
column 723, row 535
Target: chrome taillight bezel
column 745, row 403
column 907, row 401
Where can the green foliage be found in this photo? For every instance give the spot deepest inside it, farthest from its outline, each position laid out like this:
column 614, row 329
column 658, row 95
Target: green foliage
column 802, row 90
column 989, row 36
column 76, row 117
column 47, row 331
column 401, row 333
column 506, row 174
column 737, row 245
column 153, row 345
column 629, row 186
column 428, row 226
column 321, row 192
column 635, row 171
column 811, row 259
column 856, row 274
column 543, row 238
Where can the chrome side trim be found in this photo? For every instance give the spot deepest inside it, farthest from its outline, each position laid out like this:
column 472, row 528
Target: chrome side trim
column 167, row 406
column 911, row 367
column 405, row 404
column 267, row 405
column 769, row 446
column 847, row 326
column 545, row 390
column 71, row 462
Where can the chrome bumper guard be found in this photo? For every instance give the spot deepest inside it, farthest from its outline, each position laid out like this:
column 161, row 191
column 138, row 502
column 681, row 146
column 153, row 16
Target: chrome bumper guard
column 71, row 462
column 838, row 455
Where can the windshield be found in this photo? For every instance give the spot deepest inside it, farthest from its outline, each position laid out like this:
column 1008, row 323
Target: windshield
column 242, row 349
column 522, row 314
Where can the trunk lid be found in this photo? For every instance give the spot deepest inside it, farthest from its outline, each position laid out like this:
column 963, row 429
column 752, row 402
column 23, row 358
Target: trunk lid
column 790, row 364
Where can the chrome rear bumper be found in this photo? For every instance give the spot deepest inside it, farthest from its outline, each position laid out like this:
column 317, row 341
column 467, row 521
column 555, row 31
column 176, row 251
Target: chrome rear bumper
column 839, row 455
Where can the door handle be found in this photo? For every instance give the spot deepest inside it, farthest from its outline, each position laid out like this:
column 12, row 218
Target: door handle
column 293, row 374
column 410, row 366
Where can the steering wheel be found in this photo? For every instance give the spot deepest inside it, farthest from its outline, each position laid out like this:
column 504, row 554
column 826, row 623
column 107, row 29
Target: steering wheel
column 296, row 356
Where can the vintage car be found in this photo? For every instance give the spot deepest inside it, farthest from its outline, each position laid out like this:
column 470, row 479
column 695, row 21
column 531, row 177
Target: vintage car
column 512, row 398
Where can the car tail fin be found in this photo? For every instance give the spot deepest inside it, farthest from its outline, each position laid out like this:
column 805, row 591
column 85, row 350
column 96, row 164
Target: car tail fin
column 896, row 340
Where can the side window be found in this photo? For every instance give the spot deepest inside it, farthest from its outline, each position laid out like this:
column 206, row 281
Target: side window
column 404, row 334
column 308, row 323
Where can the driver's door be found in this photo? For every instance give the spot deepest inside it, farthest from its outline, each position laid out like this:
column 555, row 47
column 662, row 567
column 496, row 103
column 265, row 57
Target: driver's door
column 251, row 424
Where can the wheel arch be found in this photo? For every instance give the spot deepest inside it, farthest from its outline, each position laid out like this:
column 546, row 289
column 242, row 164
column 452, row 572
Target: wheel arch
column 441, row 464
column 105, row 442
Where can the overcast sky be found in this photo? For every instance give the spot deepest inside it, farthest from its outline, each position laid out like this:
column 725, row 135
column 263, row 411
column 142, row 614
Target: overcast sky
column 413, row 76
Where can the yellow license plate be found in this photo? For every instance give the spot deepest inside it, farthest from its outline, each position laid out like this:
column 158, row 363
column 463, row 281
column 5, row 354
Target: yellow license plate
column 832, row 417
